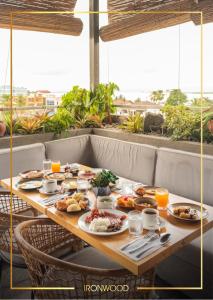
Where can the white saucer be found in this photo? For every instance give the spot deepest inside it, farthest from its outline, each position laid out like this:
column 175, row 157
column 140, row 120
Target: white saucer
column 161, row 225
column 44, row 192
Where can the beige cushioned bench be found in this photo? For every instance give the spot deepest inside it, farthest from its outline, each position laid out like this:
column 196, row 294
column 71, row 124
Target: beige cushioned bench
column 29, row 157
column 180, row 172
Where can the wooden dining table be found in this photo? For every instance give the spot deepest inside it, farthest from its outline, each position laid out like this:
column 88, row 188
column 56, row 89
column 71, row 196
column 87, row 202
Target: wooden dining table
column 182, row 233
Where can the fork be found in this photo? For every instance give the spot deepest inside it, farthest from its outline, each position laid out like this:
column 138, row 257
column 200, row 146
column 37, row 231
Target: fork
column 151, row 239
column 146, row 236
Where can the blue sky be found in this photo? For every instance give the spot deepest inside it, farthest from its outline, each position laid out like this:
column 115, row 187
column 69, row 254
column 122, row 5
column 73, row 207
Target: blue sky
column 141, row 63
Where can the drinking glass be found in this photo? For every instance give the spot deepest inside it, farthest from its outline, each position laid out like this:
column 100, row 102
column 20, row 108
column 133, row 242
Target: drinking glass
column 82, row 186
column 162, row 198
column 47, row 165
column 56, row 166
column 135, row 222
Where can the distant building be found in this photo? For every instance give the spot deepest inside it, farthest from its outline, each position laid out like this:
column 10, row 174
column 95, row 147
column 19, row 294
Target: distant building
column 35, row 99
column 17, row 91
column 126, row 107
column 121, row 108
column 52, row 100
column 43, row 98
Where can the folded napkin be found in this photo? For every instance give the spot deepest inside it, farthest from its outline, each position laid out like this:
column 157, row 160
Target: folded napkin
column 53, row 198
column 146, row 249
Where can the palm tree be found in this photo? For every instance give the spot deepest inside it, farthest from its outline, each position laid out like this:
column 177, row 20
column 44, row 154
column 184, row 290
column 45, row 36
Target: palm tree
column 157, row 95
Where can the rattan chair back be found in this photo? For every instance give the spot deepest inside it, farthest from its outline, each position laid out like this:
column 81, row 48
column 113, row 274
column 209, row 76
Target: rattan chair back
column 38, row 238
column 20, row 212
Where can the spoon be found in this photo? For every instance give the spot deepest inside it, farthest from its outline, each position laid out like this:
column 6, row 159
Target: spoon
column 163, row 240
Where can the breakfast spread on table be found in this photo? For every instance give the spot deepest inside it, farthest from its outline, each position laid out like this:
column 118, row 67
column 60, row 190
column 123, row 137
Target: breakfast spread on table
column 142, row 197
column 138, row 209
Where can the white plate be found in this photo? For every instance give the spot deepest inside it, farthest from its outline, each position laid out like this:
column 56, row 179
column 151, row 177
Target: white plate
column 38, row 174
column 30, row 185
column 44, row 192
column 85, row 227
column 192, row 206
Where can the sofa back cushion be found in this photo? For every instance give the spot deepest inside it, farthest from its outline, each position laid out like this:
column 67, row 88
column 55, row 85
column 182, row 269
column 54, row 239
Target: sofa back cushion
column 29, row 157
column 129, row 160
column 70, row 150
column 180, row 172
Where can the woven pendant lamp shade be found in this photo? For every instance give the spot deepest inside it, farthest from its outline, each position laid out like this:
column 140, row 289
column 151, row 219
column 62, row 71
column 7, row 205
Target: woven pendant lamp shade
column 125, row 25
column 206, row 6
column 54, row 23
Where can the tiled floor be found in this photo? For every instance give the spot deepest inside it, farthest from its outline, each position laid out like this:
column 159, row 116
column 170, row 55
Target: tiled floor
column 21, row 278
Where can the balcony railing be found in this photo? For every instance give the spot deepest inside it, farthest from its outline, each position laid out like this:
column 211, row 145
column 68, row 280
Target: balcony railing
column 51, row 107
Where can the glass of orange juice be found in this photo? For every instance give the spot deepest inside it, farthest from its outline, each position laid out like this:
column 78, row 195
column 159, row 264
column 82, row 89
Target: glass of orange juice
column 162, row 198
column 56, row 166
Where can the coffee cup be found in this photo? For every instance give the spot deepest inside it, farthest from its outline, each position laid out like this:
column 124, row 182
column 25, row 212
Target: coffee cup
column 50, row 185
column 150, row 218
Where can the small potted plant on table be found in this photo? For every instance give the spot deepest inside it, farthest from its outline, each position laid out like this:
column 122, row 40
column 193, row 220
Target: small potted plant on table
column 102, row 181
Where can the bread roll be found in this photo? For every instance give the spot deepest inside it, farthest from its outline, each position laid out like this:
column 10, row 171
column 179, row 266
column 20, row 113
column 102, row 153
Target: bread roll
column 73, row 207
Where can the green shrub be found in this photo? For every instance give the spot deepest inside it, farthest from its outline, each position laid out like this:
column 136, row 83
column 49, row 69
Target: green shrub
column 89, row 121
column 32, row 124
column 134, row 123
column 176, row 97
column 102, row 100
column 207, row 135
column 29, row 125
column 182, row 123
column 77, row 102
column 59, row 122
column 6, row 117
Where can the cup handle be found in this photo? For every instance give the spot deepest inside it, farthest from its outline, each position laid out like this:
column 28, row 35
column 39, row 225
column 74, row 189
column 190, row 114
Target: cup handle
column 158, row 223
column 158, row 220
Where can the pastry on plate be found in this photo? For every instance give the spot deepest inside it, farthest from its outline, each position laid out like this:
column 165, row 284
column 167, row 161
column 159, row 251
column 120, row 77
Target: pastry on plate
column 140, row 191
column 191, row 215
column 70, row 201
column 181, row 209
column 76, row 202
column 73, row 207
column 61, row 205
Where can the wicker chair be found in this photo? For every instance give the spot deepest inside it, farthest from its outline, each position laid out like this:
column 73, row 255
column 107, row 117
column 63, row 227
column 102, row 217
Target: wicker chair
column 20, row 212
column 37, row 238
